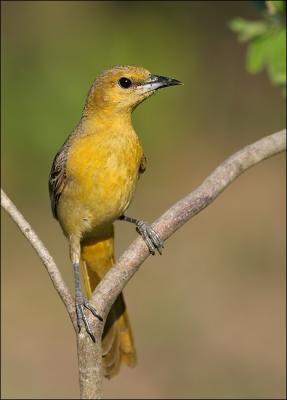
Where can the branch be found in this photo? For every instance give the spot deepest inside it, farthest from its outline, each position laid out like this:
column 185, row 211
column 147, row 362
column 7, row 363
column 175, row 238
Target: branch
column 112, row 284
column 43, row 253
column 118, row 276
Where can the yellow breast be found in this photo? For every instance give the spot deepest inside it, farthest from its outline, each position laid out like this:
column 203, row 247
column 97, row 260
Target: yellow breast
column 102, row 171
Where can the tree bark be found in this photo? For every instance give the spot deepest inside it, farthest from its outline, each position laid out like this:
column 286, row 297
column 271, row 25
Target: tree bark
column 90, row 353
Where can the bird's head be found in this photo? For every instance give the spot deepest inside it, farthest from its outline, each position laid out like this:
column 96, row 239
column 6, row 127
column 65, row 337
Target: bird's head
column 122, row 88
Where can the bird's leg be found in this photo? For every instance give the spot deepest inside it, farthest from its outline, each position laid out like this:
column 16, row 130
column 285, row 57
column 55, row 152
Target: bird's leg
column 149, row 235
column 82, row 303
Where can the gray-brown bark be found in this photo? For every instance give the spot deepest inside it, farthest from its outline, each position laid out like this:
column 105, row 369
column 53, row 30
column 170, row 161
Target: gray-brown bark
column 89, row 353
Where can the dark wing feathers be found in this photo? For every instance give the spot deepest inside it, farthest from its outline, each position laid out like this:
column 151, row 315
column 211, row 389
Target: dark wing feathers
column 57, row 178
column 143, row 163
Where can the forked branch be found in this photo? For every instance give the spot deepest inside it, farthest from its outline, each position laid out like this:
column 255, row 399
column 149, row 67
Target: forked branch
column 112, row 284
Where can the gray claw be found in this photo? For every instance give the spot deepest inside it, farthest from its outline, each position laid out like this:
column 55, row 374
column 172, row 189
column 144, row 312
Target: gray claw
column 150, row 236
column 81, row 317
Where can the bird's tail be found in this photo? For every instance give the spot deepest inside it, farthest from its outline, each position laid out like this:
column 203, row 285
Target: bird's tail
column 97, row 257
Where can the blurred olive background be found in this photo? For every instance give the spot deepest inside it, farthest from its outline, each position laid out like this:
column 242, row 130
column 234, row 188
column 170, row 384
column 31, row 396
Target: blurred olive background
column 209, row 315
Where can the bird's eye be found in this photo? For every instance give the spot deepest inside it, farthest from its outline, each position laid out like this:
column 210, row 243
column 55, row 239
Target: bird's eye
column 125, row 83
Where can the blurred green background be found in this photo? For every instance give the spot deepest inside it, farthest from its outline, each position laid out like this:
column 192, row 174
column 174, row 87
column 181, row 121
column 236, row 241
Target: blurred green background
column 209, row 315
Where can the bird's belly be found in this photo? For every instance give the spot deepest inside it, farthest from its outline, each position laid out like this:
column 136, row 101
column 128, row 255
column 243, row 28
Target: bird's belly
column 100, row 188
column 110, row 192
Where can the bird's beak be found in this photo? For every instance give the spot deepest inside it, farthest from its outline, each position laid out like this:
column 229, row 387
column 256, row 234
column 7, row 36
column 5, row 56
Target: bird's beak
column 156, row 82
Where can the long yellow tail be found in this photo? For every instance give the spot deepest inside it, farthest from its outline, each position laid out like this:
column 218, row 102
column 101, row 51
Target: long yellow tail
column 97, row 257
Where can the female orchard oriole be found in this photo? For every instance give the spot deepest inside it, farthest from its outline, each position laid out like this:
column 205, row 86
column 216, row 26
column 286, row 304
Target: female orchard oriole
column 91, row 184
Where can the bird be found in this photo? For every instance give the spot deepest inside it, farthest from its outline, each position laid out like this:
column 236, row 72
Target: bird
column 91, row 184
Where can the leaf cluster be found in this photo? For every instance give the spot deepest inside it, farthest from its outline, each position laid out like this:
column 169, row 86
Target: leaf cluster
column 266, row 40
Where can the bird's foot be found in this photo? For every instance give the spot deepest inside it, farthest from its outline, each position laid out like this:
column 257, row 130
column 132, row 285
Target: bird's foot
column 150, row 236
column 81, row 304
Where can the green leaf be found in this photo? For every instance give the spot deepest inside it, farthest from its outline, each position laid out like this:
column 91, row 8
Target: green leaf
column 247, row 30
column 268, row 51
column 277, row 57
column 267, row 41
column 257, row 54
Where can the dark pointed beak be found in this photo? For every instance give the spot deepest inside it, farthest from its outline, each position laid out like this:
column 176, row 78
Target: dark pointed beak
column 163, row 81
column 157, row 82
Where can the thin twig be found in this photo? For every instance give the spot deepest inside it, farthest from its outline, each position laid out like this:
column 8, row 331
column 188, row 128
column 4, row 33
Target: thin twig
column 42, row 252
